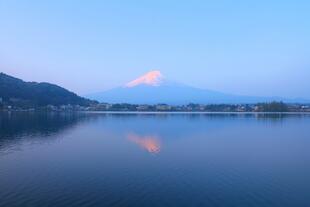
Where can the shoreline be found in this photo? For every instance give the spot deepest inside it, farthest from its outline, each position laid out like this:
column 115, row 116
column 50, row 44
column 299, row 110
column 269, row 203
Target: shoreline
column 187, row 112
column 157, row 112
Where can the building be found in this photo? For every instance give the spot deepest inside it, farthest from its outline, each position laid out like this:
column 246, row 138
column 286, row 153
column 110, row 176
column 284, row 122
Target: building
column 163, row 107
column 142, row 107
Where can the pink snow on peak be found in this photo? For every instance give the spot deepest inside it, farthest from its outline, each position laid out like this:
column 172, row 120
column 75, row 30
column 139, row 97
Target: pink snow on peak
column 152, row 78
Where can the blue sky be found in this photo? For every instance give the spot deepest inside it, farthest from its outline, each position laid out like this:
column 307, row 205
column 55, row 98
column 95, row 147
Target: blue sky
column 242, row 47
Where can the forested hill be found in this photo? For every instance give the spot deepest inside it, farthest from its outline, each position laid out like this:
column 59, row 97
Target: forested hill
column 18, row 92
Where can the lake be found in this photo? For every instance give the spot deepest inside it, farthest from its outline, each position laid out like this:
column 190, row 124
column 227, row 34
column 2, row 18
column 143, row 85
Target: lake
column 98, row 159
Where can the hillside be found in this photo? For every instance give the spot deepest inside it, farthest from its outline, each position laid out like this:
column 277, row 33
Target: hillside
column 18, row 92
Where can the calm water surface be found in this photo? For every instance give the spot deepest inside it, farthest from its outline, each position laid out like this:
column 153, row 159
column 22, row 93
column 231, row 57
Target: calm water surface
column 154, row 160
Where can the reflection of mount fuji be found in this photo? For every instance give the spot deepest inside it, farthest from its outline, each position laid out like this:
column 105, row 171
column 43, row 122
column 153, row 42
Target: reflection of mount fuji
column 153, row 88
column 149, row 143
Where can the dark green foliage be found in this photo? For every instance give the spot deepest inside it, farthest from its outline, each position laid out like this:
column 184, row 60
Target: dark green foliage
column 273, row 107
column 32, row 94
column 123, row 107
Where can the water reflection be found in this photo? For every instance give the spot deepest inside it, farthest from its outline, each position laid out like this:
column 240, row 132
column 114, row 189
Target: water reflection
column 94, row 159
column 149, row 143
column 35, row 127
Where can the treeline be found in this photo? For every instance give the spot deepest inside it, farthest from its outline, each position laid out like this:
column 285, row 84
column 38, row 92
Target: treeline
column 273, row 107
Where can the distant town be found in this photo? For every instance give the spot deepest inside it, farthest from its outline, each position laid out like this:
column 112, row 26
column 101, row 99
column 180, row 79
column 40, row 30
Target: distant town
column 124, row 107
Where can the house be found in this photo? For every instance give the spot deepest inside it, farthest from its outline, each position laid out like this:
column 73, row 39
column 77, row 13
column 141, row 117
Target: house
column 163, row 107
column 142, row 107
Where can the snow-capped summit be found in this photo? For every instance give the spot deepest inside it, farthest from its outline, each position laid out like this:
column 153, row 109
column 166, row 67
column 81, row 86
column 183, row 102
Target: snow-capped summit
column 152, row 78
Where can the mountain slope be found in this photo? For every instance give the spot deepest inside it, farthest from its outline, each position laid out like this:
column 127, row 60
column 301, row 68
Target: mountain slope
column 15, row 90
column 153, row 88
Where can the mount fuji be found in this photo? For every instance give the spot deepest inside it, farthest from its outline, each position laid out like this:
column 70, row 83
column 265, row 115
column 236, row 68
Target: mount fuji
column 154, row 88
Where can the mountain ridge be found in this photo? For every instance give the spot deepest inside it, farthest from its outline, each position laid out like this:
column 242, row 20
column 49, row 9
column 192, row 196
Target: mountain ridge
column 154, row 88
column 17, row 91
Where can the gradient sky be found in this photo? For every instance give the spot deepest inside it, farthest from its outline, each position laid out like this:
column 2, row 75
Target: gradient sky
column 242, row 47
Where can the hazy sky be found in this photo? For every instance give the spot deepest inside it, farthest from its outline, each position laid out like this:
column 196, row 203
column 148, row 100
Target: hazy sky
column 241, row 47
